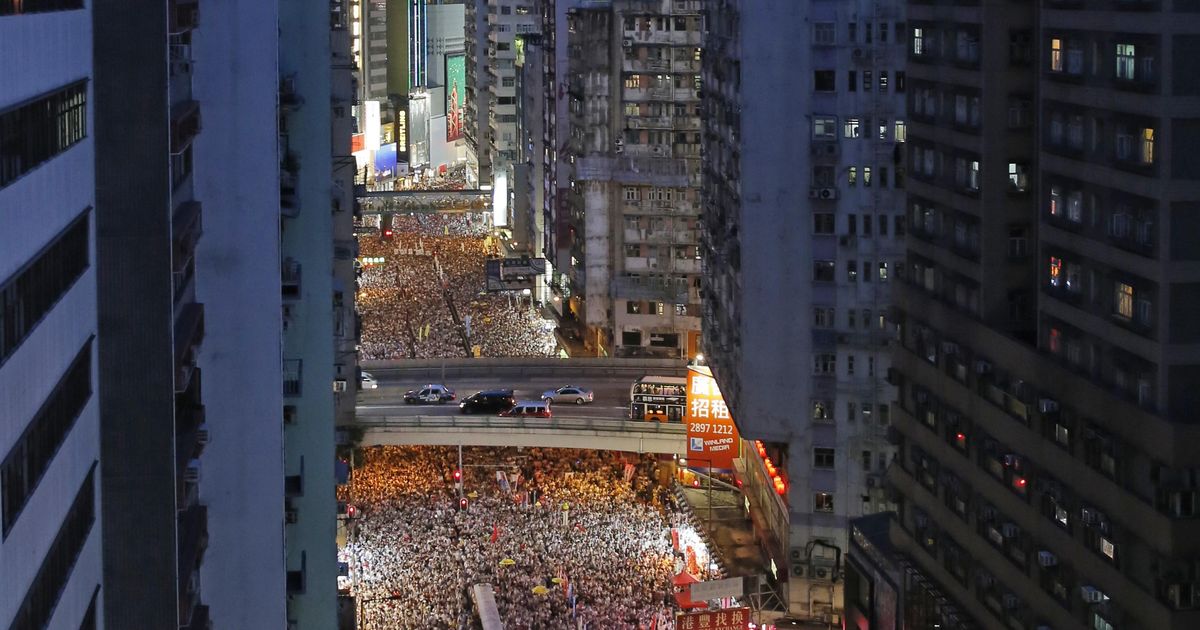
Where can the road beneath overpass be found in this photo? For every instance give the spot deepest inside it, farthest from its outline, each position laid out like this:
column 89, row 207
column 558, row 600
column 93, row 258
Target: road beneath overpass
column 601, row 424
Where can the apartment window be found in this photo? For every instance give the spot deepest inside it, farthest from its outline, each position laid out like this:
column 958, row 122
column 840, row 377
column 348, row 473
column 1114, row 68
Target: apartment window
column 1018, row 177
column 901, row 131
column 1146, row 153
column 18, row 7
column 850, row 365
column 851, row 319
column 1124, row 144
column 823, row 270
column 852, row 80
column 1126, row 62
column 632, row 194
column 852, row 274
column 823, row 458
column 866, row 461
column 822, row 502
column 40, row 600
column 26, row 297
column 1056, row 55
column 883, row 32
column 852, row 176
column 899, row 81
column 633, row 308
column 824, row 81
column 1020, row 48
column 866, row 80
column 867, row 221
column 883, row 271
column 866, row 179
column 1074, row 58
column 1123, row 300
column 851, row 128
column 823, row 176
column 822, row 411
column 824, row 34
column 1020, row 113
column 852, row 32
column 973, row 176
column 823, row 317
column 30, row 457
column 824, row 364
column 967, row 45
column 883, row 80
column 35, row 132
column 633, row 81
column 823, row 223
column 1018, row 242
column 824, row 128
column 852, row 224
column 883, row 225
column 851, row 411
column 870, row 366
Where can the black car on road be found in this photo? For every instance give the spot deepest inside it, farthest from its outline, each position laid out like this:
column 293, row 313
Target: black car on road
column 491, row 401
column 431, row 393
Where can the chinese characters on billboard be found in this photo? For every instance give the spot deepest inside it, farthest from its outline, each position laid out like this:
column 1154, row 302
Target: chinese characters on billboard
column 711, row 435
column 456, row 96
column 727, row 619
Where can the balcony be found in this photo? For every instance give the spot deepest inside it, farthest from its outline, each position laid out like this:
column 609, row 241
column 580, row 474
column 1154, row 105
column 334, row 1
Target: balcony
column 185, row 231
column 193, row 540
column 185, row 124
column 676, row 38
column 679, row 237
column 647, row 150
column 290, row 276
column 648, row 122
column 189, row 332
column 293, row 378
column 673, row 290
column 185, row 15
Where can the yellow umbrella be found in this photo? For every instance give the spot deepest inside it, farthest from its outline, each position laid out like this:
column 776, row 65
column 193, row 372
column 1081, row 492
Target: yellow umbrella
column 473, row 494
column 540, row 590
column 507, row 562
column 556, row 580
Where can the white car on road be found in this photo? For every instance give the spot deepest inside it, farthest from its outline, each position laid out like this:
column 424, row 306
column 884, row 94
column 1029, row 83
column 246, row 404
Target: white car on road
column 569, row 394
column 366, row 381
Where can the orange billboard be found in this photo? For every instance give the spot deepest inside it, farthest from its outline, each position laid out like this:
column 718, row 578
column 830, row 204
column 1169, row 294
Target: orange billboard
column 712, row 438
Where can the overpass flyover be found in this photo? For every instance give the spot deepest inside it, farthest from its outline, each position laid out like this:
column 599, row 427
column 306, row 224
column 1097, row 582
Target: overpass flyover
column 421, row 201
column 615, row 434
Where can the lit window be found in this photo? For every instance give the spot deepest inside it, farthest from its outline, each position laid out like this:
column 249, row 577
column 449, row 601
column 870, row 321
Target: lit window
column 852, row 176
column 823, row 502
column 1055, row 340
column 918, row 42
column 1056, row 60
column 1147, row 152
column 1056, row 204
column 1107, row 548
column 850, row 128
column 1018, row 177
column 1056, row 271
column 824, row 128
column 1124, row 300
column 867, row 176
column 1126, row 62
column 901, row 131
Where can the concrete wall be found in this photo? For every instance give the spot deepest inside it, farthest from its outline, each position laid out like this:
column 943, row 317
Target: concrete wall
column 46, row 52
column 238, row 281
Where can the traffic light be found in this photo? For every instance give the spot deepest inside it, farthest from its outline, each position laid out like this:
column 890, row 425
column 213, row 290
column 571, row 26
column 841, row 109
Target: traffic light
column 387, row 234
column 458, row 474
column 462, row 504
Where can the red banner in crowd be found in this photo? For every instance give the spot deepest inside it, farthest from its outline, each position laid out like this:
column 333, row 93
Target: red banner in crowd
column 728, row 619
column 712, row 437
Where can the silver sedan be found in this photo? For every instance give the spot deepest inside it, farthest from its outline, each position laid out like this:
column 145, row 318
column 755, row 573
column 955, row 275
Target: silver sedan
column 569, row 394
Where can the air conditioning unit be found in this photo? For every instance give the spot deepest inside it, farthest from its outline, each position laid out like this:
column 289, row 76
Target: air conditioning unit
column 797, row 569
column 983, row 367
column 191, row 474
column 1091, row 594
column 339, row 386
column 1011, row 601
column 827, row 193
column 202, row 435
column 821, row 573
column 796, row 555
column 1047, row 405
column 657, row 150
column 1047, row 559
column 1010, row 530
column 627, row 42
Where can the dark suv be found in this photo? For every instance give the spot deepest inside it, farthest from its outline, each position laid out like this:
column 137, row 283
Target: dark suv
column 491, row 401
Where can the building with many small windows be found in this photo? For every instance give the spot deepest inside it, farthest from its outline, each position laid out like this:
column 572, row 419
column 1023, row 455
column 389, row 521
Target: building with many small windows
column 803, row 224
column 1046, row 362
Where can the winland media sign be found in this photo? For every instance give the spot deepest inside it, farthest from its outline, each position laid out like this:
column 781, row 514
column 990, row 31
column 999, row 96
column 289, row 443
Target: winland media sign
column 711, row 435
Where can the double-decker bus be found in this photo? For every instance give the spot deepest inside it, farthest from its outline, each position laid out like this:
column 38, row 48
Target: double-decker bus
column 661, row 398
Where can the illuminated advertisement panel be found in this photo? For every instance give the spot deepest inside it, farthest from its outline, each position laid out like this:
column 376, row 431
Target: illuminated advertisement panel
column 456, row 96
column 712, row 438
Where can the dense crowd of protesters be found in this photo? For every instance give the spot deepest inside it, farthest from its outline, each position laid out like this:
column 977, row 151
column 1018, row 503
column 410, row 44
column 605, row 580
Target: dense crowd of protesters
column 568, row 539
column 428, row 298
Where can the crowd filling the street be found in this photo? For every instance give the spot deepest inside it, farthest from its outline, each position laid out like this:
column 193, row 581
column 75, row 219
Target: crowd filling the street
column 422, row 294
column 567, row 539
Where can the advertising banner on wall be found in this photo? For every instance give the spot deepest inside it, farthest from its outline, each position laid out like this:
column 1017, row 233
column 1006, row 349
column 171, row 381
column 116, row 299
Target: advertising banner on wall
column 728, row 619
column 712, row 438
column 385, row 162
column 456, row 96
column 371, row 125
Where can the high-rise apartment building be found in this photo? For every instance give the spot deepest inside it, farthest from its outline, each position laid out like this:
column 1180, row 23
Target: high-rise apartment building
column 625, row 200
column 491, row 119
column 50, row 551
column 803, row 229
column 1046, row 361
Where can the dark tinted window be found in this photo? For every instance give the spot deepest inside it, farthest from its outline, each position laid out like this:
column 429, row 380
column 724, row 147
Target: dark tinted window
column 35, row 132
column 17, row 7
